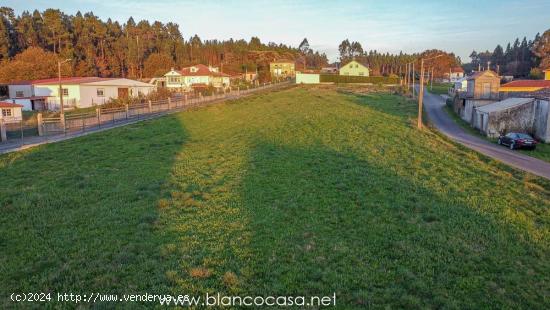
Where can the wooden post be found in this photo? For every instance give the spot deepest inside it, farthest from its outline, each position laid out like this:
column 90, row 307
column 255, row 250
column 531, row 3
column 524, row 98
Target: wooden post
column 83, row 124
column 126, row 106
column 3, row 136
column 98, row 113
column 185, row 99
column 169, row 102
column 39, row 124
column 62, row 120
column 150, row 106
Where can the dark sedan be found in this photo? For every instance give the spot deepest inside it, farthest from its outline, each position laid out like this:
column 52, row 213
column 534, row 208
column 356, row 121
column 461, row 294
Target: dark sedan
column 516, row 140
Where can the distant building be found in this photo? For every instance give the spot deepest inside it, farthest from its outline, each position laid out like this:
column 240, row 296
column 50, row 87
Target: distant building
column 250, row 76
column 282, row 68
column 547, row 74
column 354, row 68
column 10, row 112
column 78, row 92
column 482, row 89
column 187, row 77
column 455, row 74
column 329, row 70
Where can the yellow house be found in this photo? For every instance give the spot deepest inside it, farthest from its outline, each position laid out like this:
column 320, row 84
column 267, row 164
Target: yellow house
column 547, row 74
column 282, row 68
column 354, row 68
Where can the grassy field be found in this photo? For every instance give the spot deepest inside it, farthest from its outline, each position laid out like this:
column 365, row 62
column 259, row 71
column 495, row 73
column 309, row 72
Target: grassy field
column 306, row 191
column 541, row 152
column 439, row 88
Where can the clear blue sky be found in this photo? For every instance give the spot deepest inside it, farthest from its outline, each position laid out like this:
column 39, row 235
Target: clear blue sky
column 388, row 26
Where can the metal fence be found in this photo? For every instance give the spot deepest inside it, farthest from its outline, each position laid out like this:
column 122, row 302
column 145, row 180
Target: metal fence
column 41, row 127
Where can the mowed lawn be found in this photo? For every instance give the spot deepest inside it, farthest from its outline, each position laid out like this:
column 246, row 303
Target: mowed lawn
column 306, row 191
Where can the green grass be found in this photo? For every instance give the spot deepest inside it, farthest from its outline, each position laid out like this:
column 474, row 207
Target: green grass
column 306, row 191
column 541, row 152
column 439, row 88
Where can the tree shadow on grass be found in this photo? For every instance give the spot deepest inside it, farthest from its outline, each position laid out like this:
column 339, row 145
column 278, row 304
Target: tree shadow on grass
column 79, row 216
column 324, row 222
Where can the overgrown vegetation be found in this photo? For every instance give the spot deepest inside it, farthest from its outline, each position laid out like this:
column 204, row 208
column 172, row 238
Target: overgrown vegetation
column 306, row 191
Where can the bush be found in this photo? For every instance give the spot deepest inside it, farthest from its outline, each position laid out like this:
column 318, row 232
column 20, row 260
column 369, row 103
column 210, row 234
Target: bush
column 328, row 78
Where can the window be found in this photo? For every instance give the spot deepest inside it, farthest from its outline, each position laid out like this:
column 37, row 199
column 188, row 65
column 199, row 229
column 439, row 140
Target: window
column 19, row 93
column 174, row 79
column 65, row 92
column 101, row 92
column 361, row 73
column 6, row 112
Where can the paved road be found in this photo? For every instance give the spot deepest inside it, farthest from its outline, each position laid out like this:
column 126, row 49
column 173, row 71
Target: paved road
column 441, row 120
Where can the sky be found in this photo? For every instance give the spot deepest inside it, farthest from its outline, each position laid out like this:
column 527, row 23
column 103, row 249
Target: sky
column 386, row 26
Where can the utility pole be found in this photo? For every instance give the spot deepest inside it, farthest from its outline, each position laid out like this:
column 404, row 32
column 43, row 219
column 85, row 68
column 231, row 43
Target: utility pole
column 421, row 93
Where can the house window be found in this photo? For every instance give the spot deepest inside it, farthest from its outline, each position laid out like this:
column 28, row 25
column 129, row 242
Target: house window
column 65, row 92
column 6, row 112
column 361, row 73
column 19, row 93
column 101, row 92
column 174, row 79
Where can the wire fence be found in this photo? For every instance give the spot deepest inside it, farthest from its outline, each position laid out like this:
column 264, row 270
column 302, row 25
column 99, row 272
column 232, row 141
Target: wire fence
column 40, row 127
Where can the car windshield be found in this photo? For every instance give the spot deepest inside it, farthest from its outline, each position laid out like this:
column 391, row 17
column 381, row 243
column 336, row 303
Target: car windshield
column 523, row 136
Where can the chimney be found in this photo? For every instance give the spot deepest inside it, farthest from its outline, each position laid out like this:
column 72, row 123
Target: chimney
column 172, row 69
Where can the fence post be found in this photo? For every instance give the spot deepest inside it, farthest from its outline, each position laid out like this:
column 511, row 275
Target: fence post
column 40, row 125
column 98, row 113
column 62, row 120
column 150, row 106
column 126, row 111
column 83, row 123
column 3, row 136
column 169, row 102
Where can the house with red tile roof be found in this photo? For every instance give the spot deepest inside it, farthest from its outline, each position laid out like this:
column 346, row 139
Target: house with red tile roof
column 77, row 92
column 10, row 112
column 186, row 78
column 455, row 74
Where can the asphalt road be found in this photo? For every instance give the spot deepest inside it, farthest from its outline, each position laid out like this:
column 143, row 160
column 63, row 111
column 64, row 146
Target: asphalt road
column 434, row 105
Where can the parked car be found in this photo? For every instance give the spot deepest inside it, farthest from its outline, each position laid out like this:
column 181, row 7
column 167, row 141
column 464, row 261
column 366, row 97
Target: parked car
column 515, row 140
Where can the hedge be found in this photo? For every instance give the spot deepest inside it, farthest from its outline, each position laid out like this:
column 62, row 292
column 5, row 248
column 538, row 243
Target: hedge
column 327, row 78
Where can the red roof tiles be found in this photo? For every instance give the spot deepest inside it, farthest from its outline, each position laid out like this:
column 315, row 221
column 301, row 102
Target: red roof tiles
column 4, row 104
column 527, row 83
column 201, row 70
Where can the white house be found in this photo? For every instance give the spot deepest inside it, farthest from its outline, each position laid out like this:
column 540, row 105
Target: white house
column 197, row 75
column 10, row 112
column 78, row 92
column 455, row 74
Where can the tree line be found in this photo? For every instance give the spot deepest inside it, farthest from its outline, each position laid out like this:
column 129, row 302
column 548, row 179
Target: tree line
column 525, row 58
column 396, row 64
column 111, row 49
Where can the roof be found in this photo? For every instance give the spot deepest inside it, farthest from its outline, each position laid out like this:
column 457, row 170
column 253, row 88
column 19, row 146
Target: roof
column 457, row 69
column 504, row 104
column 119, row 82
column 528, row 83
column 71, row 80
column 357, row 61
column 4, row 104
column 202, row 70
column 478, row 74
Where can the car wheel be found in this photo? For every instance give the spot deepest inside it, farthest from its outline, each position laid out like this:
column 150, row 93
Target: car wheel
column 499, row 141
column 512, row 146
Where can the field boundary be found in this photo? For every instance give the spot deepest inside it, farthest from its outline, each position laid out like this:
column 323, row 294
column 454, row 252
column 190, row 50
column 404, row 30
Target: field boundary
column 113, row 119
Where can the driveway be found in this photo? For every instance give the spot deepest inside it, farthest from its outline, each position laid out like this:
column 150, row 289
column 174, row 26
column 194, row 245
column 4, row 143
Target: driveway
column 434, row 104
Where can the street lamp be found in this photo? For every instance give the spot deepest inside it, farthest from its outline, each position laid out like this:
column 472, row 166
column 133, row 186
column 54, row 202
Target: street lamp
column 59, row 63
column 421, row 92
